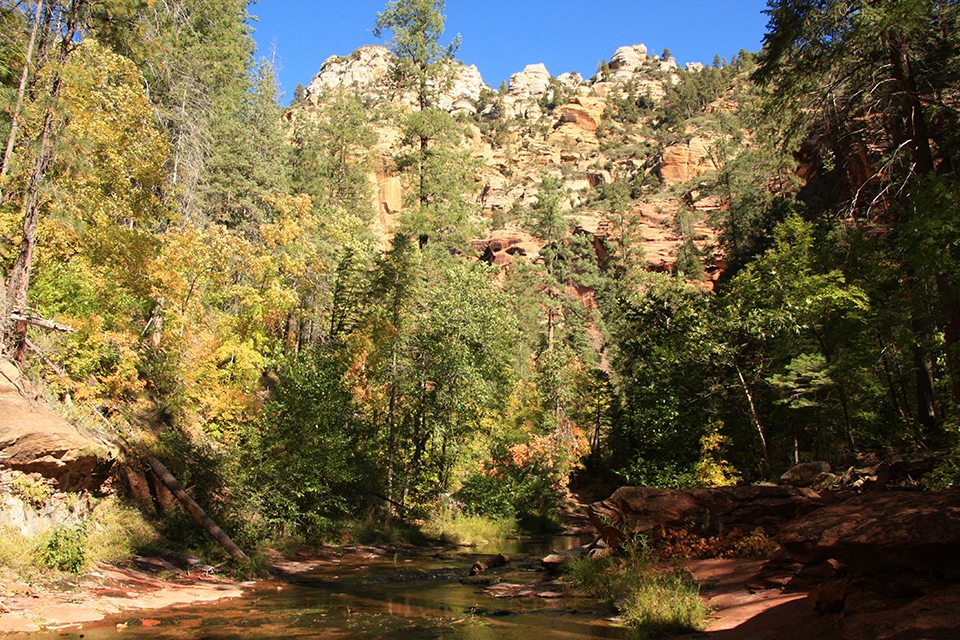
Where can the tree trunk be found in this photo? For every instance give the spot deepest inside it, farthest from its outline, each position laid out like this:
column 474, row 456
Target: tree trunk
column 926, row 406
column 19, row 283
column 21, row 91
column 755, row 419
column 918, row 140
column 194, row 509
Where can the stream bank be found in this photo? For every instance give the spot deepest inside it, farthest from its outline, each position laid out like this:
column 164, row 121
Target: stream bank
column 367, row 592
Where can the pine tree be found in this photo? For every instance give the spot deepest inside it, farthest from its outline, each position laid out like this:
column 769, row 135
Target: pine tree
column 199, row 78
column 862, row 84
column 437, row 168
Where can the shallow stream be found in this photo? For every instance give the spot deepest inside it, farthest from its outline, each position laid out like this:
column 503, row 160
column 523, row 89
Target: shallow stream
column 376, row 595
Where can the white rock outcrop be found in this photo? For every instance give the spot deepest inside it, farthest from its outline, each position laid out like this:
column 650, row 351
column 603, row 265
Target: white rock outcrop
column 364, row 73
column 532, row 82
column 626, row 61
column 361, row 71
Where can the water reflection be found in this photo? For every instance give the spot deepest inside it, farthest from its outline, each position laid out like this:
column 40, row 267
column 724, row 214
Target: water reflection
column 381, row 597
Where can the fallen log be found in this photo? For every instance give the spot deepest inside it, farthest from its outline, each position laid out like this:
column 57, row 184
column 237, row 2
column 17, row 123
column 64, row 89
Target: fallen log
column 194, row 509
column 499, row 560
column 43, row 323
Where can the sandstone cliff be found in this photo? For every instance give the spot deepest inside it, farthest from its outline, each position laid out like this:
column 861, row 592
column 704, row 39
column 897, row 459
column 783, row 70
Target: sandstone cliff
column 560, row 125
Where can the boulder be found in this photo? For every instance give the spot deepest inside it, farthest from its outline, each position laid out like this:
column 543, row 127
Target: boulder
column 499, row 560
column 35, row 440
column 571, row 80
column 628, row 58
column 877, row 531
column 806, row 474
column 633, row 510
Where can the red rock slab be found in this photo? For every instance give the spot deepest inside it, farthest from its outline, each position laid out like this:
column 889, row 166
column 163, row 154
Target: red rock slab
column 48, row 610
column 744, row 614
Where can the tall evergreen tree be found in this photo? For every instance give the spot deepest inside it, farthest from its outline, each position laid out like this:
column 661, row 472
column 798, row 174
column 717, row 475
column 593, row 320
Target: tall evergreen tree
column 436, row 167
column 200, row 80
column 863, row 85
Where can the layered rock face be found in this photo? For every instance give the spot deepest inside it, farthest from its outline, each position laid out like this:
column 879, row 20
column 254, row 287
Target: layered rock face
column 681, row 162
column 567, row 142
column 875, row 565
column 34, row 440
column 875, row 532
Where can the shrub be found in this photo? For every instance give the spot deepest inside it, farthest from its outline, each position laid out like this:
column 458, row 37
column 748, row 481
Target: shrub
column 304, row 465
column 34, row 492
column 685, row 543
column 524, row 482
column 64, row 550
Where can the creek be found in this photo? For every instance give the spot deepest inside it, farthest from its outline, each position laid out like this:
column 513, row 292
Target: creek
column 381, row 595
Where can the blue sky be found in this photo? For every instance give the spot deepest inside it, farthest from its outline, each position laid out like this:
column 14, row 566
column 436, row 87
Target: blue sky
column 501, row 37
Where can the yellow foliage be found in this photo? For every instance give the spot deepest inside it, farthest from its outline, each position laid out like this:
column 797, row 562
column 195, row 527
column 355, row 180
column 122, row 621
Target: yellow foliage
column 711, row 469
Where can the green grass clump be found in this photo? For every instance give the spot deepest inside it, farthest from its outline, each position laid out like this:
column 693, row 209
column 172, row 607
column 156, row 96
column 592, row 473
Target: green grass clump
column 377, row 528
column 64, row 549
column 653, row 600
column 112, row 532
column 465, row 529
column 15, row 548
column 665, row 603
column 115, row 532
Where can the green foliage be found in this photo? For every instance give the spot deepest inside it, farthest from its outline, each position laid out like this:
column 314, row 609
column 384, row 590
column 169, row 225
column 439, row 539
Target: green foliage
column 662, row 337
column 305, row 464
column 33, row 491
column 946, row 475
column 436, row 208
column 421, row 64
column 524, row 483
column 328, row 156
column 690, row 97
column 64, row 550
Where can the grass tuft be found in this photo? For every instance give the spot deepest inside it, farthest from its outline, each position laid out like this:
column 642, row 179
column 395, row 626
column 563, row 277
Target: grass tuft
column 116, row 532
column 464, row 529
column 653, row 600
